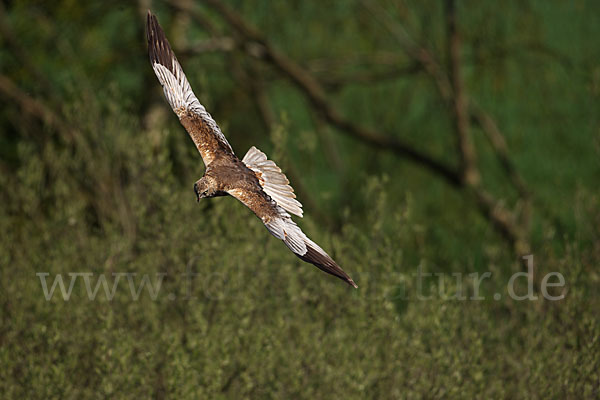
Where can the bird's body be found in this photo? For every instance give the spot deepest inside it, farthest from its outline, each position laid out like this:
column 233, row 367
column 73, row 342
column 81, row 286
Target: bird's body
column 255, row 181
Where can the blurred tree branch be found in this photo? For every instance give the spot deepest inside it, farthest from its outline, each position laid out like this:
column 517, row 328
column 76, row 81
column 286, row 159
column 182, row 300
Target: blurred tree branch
column 504, row 219
column 453, row 93
column 318, row 99
column 468, row 163
column 32, row 108
column 335, row 83
column 249, row 78
column 329, row 80
column 21, row 54
column 451, row 89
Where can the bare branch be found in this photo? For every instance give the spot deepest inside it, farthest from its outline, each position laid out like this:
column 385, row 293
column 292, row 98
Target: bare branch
column 32, row 107
column 316, row 95
column 333, row 82
column 413, row 50
column 498, row 143
column 20, row 53
column 446, row 88
column 451, row 91
column 466, row 150
column 327, row 76
column 368, row 60
column 214, row 44
column 502, row 219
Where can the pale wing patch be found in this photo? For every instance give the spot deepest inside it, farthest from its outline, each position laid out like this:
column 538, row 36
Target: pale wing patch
column 177, row 90
column 175, row 85
column 182, row 99
column 284, row 228
column 273, row 181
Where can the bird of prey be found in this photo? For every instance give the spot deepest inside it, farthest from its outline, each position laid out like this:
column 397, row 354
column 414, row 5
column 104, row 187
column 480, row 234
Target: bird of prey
column 255, row 180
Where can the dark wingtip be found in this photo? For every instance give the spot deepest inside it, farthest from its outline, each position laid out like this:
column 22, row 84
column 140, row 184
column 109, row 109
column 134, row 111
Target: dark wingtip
column 149, row 18
column 150, row 32
column 159, row 48
column 161, row 54
column 326, row 264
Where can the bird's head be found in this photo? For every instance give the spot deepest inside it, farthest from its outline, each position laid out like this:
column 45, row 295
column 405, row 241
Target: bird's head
column 205, row 187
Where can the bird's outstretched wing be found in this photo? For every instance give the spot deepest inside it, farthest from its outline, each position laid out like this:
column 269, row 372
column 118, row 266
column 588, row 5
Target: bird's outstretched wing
column 203, row 129
column 281, row 225
column 273, row 181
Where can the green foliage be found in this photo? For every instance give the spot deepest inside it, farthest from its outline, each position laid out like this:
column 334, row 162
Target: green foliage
column 112, row 193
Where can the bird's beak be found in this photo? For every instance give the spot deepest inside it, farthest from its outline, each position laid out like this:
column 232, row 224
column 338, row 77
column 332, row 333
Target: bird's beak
column 197, row 193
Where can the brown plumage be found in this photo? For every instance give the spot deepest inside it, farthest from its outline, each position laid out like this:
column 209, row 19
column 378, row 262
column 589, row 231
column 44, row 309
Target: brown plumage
column 255, row 181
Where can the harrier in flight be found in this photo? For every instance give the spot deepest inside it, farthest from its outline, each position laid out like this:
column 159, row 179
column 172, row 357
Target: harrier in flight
column 255, row 181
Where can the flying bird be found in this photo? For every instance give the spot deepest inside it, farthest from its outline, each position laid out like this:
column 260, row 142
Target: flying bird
column 254, row 180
